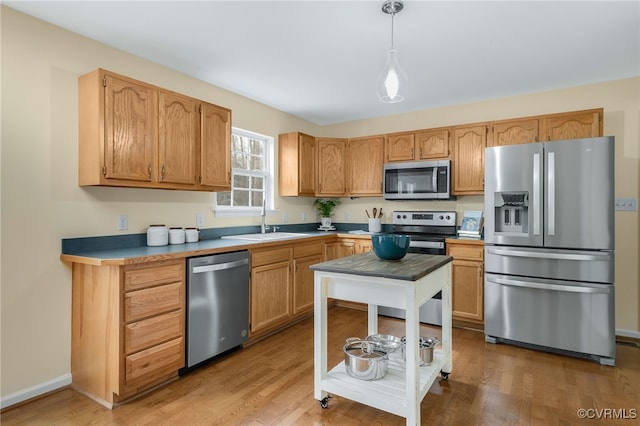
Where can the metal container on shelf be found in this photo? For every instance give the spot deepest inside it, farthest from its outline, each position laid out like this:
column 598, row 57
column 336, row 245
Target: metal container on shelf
column 365, row 360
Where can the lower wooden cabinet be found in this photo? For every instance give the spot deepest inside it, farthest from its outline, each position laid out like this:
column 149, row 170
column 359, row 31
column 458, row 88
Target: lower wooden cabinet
column 127, row 328
column 467, row 279
column 282, row 284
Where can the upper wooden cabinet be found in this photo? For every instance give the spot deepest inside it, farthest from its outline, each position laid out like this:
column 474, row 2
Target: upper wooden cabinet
column 332, row 167
column 364, row 166
column 513, row 132
column 552, row 127
column 468, row 159
column 575, row 125
column 296, row 164
column 415, row 146
column 138, row 135
column 215, row 147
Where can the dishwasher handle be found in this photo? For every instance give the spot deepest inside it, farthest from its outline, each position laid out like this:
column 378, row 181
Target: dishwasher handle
column 219, row 266
column 585, row 288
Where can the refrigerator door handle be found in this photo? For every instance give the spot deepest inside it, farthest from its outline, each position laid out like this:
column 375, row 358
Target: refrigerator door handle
column 585, row 288
column 551, row 193
column 536, row 194
column 551, row 255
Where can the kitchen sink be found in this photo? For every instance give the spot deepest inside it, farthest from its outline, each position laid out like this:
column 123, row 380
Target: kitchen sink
column 268, row 236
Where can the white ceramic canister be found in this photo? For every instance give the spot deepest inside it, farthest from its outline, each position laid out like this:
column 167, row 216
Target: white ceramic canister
column 191, row 235
column 176, row 236
column 157, row 235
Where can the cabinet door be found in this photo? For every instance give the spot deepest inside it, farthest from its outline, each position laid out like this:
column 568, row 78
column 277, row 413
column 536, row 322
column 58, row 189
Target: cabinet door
column 338, row 249
column 468, row 290
column 130, row 130
column 433, row 144
column 513, row 132
column 365, row 166
column 468, row 165
column 307, row 165
column 572, row 126
column 178, row 138
column 270, row 290
column 364, row 246
column 303, row 283
column 296, row 164
column 215, row 146
column 332, row 170
column 400, row 147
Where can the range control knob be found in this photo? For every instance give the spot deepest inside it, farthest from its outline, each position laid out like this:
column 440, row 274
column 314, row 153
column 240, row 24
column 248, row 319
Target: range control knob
column 441, row 217
column 448, row 217
column 404, row 216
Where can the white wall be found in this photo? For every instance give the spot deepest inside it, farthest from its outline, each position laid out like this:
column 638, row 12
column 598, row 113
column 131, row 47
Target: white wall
column 41, row 202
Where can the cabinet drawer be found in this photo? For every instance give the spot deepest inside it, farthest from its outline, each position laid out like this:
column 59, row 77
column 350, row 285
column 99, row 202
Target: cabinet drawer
column 464, row 251
column 153, row 301
column 135, row 279
column 154, row 363
column 308, row 249
column 270, row 256
column 152, row 331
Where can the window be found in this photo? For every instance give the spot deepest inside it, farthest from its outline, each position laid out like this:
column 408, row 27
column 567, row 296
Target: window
column 251, row 175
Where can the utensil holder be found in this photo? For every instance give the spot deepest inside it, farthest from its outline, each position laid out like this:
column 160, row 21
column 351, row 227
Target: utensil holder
column 375, row 225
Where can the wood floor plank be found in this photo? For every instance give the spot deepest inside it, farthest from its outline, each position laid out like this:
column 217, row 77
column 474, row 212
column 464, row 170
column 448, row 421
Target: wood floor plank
column 271, row 383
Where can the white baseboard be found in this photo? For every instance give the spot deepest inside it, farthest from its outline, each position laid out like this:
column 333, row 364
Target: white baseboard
column 628, row 333
column 34, row 391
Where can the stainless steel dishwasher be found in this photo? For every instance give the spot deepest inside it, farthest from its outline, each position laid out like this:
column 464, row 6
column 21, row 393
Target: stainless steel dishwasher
column 217, row 304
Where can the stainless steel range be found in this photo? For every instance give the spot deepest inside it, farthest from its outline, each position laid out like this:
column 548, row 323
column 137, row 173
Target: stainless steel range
column 428, row 231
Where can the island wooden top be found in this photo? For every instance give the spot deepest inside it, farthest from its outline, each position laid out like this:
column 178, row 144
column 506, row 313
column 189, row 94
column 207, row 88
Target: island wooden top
column 412, row 267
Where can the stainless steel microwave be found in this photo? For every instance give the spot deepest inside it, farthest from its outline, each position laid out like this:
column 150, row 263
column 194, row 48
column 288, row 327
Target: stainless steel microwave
column 421, row 180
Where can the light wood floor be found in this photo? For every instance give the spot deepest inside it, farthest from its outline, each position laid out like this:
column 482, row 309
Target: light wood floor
column 271, row 383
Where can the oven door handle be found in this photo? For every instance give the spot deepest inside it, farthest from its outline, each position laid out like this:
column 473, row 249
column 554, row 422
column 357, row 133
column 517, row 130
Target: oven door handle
column 426, row 244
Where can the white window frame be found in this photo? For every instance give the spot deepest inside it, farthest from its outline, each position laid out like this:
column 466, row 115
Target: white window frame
column 269, row 152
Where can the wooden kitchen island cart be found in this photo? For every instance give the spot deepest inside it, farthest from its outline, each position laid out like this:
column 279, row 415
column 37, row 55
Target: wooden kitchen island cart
column 406, row 283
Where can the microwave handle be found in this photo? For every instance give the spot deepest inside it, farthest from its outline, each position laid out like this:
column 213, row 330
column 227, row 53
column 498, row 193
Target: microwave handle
column 434, row 180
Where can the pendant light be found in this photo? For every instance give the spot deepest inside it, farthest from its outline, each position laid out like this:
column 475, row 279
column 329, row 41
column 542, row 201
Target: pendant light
column 392, row 81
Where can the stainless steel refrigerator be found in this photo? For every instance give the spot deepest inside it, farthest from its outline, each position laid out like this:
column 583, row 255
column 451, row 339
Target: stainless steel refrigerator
column 549, row 246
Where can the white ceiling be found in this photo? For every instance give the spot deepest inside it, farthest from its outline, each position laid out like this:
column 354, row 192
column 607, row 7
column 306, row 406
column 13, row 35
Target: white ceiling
column 319, row 60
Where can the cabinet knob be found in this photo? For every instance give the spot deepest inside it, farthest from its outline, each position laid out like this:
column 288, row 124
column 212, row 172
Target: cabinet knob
column 149, row 170
column 162, row 172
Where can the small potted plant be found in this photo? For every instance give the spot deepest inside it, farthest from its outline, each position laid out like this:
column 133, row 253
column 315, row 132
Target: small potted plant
column 325, row 207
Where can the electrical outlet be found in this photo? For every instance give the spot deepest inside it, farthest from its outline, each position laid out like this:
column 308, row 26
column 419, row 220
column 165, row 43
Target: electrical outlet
column 199, row 220
column 627, row 204
column 123, row 222
column 347, row 216
column 285, row 217
column 304, row 216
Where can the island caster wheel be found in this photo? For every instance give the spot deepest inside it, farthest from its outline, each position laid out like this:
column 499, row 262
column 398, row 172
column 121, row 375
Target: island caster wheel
column 324, row 402
column 445, row 376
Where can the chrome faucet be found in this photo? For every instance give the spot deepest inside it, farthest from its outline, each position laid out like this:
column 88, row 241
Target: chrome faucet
column 263, row 214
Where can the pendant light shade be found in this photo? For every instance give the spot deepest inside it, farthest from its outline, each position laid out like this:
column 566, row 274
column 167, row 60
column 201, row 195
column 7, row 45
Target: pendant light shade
column 392, row 81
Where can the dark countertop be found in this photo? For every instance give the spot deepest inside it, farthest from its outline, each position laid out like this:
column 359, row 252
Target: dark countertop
column 410, row 268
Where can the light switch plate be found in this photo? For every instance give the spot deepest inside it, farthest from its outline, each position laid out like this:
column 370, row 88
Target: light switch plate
column 199, row 220
column 627, row 204
column 123, row 222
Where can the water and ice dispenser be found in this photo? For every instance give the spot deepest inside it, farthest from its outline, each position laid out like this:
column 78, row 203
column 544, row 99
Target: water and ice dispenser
column 511, row 212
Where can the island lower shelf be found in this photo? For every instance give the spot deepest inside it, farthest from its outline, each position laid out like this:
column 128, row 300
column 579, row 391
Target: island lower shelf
column 388, row 393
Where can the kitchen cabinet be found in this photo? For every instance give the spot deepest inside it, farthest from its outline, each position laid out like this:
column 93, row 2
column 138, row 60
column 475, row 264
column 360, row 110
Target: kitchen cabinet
column 469, row 143
column 134, row 134
column 364, row 166
column 512, row 132
column 575, row 125
column 127, row 328
column 468, row 279
column 332, row 167
column 296, row 164
column 215, row 147
column 281, row 284
column 416, row 146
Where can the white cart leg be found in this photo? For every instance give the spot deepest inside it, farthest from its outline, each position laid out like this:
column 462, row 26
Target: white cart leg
column 412, row 329
column 446, row 320
column 320, row 333
column 373, row 319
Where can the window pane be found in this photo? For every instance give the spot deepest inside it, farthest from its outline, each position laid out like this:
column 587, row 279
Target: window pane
column 236, row 143
column 256, row 198
column 240, row 198
column 257, row 147
column 257, row 163
column 257, row 183
column 240, row 181
column 239, row 161
column 224, row 198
